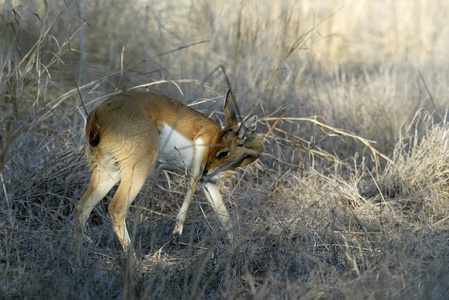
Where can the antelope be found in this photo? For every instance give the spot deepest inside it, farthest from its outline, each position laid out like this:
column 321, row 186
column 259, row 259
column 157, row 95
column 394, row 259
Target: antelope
column 132, row 133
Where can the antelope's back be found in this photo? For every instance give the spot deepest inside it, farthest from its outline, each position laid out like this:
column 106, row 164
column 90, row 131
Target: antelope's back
column 132, row 118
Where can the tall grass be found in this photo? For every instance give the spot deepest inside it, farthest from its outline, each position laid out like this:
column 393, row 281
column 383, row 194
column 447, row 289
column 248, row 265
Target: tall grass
column 348, row 201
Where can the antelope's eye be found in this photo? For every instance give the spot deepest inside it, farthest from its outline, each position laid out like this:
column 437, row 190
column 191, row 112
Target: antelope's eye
column 222, row 154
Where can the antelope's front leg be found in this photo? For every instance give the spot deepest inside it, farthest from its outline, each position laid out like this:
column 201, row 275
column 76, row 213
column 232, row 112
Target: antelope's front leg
column 216, row 201
column 196, row 171
column 182, row 214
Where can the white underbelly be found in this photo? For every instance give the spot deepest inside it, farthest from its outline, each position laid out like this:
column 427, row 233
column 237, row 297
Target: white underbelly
column 175, row 151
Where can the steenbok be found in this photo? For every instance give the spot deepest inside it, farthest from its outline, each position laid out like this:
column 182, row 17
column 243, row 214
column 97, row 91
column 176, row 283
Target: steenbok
column 131, row 133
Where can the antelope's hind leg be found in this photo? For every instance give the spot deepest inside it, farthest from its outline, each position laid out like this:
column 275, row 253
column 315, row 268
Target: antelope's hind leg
column 132, row 181
column 138, row 160
column 103, row 179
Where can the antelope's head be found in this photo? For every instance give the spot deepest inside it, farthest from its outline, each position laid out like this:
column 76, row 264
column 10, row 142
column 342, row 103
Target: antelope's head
column 237, row 146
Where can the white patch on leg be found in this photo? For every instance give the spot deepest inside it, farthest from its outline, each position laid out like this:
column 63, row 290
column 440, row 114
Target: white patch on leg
column 176, row 151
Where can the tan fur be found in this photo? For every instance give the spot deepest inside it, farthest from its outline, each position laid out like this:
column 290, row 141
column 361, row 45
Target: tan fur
column 123, row 142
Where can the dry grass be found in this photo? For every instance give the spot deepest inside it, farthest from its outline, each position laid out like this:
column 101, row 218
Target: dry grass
column 350, row 199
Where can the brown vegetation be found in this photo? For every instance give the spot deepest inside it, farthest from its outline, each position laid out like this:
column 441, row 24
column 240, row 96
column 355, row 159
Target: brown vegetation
column 350, row 199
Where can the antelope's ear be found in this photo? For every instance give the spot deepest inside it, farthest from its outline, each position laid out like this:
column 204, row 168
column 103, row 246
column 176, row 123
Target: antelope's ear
column 247, row 129
column 229, row 111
